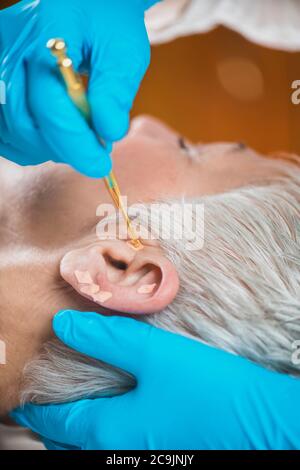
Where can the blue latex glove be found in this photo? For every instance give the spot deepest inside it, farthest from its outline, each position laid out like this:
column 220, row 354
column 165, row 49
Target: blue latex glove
column 39, row 122
column 188, row 395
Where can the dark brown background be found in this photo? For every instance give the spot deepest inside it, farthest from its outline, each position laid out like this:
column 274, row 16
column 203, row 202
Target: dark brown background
column 185, row 87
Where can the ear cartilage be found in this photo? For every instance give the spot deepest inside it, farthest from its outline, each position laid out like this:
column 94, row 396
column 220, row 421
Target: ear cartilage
column 83, row 277
column 102, row 297
column 146, row 289
column 91, row 289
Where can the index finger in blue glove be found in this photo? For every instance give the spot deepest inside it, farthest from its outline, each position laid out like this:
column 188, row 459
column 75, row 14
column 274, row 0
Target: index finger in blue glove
column 119, row 341
column 117, row 69
column 59, row 121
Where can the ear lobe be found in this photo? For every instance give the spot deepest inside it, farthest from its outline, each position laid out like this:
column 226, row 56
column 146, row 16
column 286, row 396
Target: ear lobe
column 119, row 278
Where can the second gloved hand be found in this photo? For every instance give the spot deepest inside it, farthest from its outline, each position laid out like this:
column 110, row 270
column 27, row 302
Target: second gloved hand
column 188, row 395
column 38, row 121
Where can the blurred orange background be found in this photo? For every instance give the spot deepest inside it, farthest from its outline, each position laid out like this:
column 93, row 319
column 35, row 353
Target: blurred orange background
column 218, row 86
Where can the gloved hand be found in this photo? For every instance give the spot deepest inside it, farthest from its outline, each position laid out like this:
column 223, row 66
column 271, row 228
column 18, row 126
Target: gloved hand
column 39, row 122
column 188, row 395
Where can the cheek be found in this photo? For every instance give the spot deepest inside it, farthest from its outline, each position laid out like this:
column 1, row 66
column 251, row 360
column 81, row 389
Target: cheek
column 146, row 173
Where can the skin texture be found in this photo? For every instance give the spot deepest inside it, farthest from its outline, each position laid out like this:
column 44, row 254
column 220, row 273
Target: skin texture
column 48, row 241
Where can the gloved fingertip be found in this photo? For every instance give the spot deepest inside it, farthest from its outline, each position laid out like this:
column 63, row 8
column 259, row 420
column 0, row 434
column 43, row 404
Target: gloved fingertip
column 101, row 168
column 118, row 130
column 65, row 323
column 61, row 323
column 111, row 121
column 96, row 165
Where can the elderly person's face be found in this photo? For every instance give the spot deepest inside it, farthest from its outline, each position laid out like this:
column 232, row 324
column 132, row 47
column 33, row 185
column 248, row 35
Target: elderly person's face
column 48, row 214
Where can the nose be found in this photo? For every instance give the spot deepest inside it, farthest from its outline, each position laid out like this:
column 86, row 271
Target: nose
column 152, row 127
column 219, row 148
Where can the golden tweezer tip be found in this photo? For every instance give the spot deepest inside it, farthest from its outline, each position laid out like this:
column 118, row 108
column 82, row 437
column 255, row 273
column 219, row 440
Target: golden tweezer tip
column 136, row 244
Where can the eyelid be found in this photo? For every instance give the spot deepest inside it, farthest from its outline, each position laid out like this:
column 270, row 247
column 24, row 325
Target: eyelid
column 187, row 148
column 182, row 143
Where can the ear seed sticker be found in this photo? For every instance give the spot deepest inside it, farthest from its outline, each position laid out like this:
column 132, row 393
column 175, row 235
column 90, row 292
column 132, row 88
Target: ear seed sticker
column 146, row 289
column 90, row 290
column 83, row 277
column 102, row 297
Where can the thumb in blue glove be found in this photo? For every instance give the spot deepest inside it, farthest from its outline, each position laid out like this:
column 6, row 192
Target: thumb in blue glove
column 39, row 122
column 188, row 395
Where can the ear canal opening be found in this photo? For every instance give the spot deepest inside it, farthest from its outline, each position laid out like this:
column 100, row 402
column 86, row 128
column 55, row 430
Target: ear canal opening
column 115, row 263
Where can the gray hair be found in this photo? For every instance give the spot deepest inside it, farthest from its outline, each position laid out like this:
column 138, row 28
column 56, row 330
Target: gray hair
column 240, row 293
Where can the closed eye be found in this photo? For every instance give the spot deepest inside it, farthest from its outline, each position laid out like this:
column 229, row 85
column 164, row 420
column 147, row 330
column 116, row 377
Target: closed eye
column 182, row 143
column 188, row 149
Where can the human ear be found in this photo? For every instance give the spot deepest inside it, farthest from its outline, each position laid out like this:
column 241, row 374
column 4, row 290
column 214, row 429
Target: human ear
column 115, row 275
